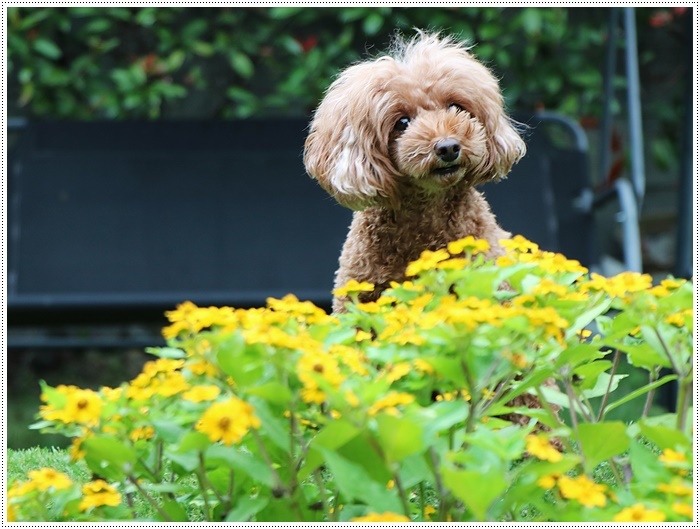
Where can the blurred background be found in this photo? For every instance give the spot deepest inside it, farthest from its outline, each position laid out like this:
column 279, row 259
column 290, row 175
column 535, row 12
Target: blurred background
column 225, row 64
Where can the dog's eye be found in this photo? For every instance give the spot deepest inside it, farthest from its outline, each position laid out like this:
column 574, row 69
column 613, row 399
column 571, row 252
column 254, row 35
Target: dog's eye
column 402, row 124
column 455, row 106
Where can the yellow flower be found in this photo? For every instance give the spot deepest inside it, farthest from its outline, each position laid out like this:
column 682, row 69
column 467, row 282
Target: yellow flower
column 407, row 285
column 547, row 286
column 677, row 319
column 361, row 336
column 398, row 371
column 390, row 484
column 677, row 487
column 353, row 286
column 406, row 337
column 468, row 244
column 389, row 402
column 456, row 263
column 162, row 365
column 582, row 489
column 98, row 493
column 75, row 452
column 142, row 432
column 11, row 513
column 17, row 490
column 683, row 509
column 351, row 357
column 423, row 366
column 383, row 517
column 228, row 421
column 82, row 406
column 111, row 394
column 619, row 285
column 519, row 244
column 203, row 367
column 669, row 456
column 169, row 384
column 638, row 513
column 48, row 478
column 201, row 393
column 427, row 261
column 316, row 365
column 549, row 481
column 370, row 307
column 303, row 311
column 351, row 399
column 427, row 511
column 539, row 447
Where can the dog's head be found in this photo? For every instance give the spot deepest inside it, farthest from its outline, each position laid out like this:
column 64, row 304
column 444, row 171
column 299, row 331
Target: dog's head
column 427, row 116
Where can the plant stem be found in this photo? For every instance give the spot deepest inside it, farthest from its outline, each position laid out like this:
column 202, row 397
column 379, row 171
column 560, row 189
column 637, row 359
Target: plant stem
column 653, row 377
column 574, row 399
column 684, row 395
column 442, row 507
column 574, row 419
column 204, row 481
column 402, row 495
column 676, row 368
column 421, row 499
column 324, row 496
column 613, row 468
column 606, row 396
column 266, row 456
column 553, row 416
column 150, row 500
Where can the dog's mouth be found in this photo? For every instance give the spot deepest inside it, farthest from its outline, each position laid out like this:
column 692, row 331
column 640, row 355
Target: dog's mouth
column 447, row 170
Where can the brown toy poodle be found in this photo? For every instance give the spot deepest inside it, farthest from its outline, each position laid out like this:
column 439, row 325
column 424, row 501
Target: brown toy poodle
column 403, row 140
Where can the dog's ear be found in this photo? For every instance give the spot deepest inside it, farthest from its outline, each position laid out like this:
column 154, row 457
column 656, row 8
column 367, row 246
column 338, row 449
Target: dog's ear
column 505, row 146
column 347, row 147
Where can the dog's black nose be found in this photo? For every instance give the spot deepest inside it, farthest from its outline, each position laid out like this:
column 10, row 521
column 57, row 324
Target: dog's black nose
column 447, row 150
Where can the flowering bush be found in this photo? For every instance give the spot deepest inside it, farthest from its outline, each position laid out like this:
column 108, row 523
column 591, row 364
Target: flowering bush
column 395, row 410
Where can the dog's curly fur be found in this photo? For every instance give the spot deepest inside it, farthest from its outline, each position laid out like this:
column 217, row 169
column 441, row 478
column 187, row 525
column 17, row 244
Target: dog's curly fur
column 403, row 139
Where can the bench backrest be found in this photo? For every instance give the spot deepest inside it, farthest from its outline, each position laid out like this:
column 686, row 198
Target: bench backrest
column 119, row 215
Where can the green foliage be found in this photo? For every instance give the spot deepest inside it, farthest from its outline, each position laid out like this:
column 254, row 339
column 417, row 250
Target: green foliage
column 450, row 398
column 148, row 62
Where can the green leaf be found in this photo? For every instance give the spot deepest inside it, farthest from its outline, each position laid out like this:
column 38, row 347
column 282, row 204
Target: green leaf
column 601, row 441
column 193, row 441
column 175, row 511
column 47, row 48
column 167, row 430
column 639, row 392
column 478, row 490
column 109, row 458
column 588, row 373
column 398, row 437
column 166, row 352
column 604, row 383
column 532, row 20
column 218, row 455
column 241, row 64
column 587, row 316
column 643, row 355
column 239, row 361
column 246, row 508
column 272, row 392
column 272, row 426
column 665, row 437
column 354, row 483
column 332, row 437
column 372, row 23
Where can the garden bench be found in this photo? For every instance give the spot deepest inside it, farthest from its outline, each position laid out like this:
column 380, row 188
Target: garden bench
column 116, row 222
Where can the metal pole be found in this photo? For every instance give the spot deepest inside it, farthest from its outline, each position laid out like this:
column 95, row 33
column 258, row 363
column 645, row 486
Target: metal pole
column 608, row 96
column 634, row 106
